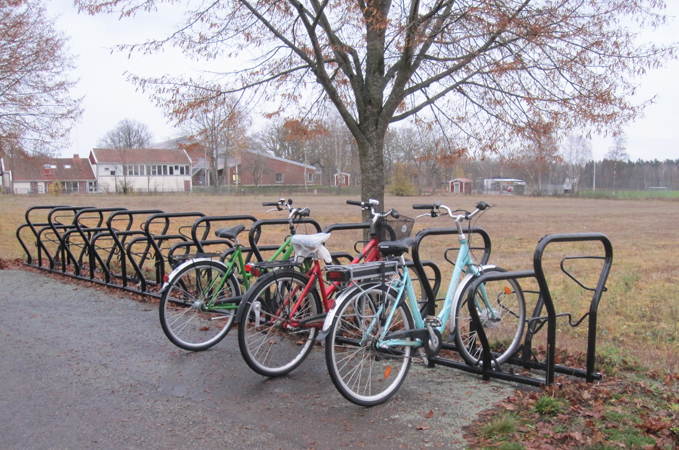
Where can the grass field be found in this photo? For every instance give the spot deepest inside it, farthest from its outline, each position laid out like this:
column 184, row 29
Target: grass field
column 638, row 316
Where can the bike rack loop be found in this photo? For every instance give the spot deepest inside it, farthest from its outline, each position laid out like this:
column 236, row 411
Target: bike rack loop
column 32, row 226
column 155, row 240
column 256, row 230
column 87, row 234
column 207, row 220
column 55, row 227
column 430, row 291
column 487, row 369
column 119, row 243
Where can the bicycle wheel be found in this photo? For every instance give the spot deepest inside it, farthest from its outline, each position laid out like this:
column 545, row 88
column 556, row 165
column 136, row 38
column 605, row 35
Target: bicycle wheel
column 361, row 371
column 271, row 340
column 190, row 311
column 503, row 325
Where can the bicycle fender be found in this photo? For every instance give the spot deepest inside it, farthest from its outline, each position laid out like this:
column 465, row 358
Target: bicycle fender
column 189, row 262
column 344, row 296
column 460, row 287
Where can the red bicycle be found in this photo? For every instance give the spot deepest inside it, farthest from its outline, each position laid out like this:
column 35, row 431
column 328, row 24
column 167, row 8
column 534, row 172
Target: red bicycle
column 282, row 313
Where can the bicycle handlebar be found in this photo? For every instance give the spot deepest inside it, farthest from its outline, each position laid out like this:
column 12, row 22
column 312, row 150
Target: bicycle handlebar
column 437, row 206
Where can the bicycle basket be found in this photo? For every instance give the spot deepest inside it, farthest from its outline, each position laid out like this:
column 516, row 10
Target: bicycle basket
column 391, row 229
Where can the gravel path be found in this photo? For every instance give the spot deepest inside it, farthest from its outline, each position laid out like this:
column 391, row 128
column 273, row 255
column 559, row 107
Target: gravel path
column 88, row 367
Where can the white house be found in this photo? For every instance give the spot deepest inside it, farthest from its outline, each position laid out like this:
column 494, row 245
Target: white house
column 141, row 170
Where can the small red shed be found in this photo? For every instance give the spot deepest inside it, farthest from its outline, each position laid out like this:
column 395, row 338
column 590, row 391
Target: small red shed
column 460, row 186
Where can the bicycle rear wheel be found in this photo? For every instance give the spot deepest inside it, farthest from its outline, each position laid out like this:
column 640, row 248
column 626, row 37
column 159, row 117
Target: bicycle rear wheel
column 271, row 340
column 192, row 312
column 363, row 373
column 503, row 323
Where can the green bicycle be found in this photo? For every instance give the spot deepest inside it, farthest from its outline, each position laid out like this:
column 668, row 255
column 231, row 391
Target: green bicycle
column 200, row 297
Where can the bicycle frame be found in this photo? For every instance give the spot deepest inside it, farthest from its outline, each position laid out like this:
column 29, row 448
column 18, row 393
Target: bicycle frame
column 235, row 259
column 368, row 254
column 404, row 285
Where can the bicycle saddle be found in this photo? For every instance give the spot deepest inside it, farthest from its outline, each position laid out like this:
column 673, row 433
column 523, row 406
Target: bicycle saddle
column 395, row 248
column 229, row 233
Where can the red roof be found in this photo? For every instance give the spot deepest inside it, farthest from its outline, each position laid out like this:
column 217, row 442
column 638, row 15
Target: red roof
column 139, row 156
column 39, row 168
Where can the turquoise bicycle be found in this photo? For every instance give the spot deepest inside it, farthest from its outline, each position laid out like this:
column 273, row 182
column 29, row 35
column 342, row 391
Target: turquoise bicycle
column 376, row 327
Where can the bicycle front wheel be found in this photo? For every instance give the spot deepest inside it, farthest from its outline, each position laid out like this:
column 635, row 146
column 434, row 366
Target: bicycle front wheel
column 503, row 319
column 193, row 310
column 364, row 372
column 271, row 335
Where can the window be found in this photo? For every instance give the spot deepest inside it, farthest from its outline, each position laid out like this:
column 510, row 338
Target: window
column 154, row 170
column 279, row 178
column 70, row 186
column 91, row 186
column 309, row 177
column 164, row 170
column 171, row 170
column 129, row 170
column 67, row 166
column 113, row 172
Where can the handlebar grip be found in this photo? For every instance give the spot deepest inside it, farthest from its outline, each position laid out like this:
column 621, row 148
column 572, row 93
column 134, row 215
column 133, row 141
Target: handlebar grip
column 303, row 212
column 422, row 206
column 354, row 202
column 394, row 214
column 269, row 203
column 482, row 205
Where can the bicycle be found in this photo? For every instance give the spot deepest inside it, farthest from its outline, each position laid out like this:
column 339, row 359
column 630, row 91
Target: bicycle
column 376, row 326
column 282, row 313
column 200, row 296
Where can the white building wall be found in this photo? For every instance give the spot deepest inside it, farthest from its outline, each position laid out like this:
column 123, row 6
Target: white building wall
column 22, row 187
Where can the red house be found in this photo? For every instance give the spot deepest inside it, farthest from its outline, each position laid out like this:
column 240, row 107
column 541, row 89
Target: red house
column 40, row 175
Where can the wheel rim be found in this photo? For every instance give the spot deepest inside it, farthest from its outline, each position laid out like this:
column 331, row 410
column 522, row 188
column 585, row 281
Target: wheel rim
column 503, row 324
column 272, row 346
column 189, row 320
column 364, row 373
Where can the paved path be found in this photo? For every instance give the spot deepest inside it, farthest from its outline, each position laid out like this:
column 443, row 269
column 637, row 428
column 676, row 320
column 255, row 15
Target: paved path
column 87, row 367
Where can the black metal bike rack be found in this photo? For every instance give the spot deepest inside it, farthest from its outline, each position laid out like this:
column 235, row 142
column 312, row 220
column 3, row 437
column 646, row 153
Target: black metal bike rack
column 35, row 227
column 524, row 356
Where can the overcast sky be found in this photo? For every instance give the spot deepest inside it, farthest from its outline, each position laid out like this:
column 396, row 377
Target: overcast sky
column 110, row 98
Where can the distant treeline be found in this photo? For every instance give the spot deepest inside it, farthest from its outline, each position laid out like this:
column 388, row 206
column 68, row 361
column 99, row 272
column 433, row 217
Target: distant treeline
column 631, row 175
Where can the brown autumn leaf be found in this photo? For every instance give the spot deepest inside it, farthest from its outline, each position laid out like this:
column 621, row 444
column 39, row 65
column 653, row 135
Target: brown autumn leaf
column 429, row 415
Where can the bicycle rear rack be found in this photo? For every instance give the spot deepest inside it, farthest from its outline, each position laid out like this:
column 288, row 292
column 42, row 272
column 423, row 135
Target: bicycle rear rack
column 524, row 356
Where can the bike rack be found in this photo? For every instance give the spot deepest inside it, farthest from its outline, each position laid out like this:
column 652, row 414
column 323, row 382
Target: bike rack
column 36, row 228
column 87, row 233
column 525, row 357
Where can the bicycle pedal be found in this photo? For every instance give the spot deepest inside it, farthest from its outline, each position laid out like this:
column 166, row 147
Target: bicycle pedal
column 433, row 321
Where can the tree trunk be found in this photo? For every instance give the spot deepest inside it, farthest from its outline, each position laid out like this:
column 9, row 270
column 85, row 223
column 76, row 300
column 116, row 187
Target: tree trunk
column 371, row 159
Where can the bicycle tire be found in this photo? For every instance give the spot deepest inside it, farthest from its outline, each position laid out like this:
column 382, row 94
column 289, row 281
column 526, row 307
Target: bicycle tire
column 267, row 344
column 184, row 316
column 504, row 333
column 361, row 372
